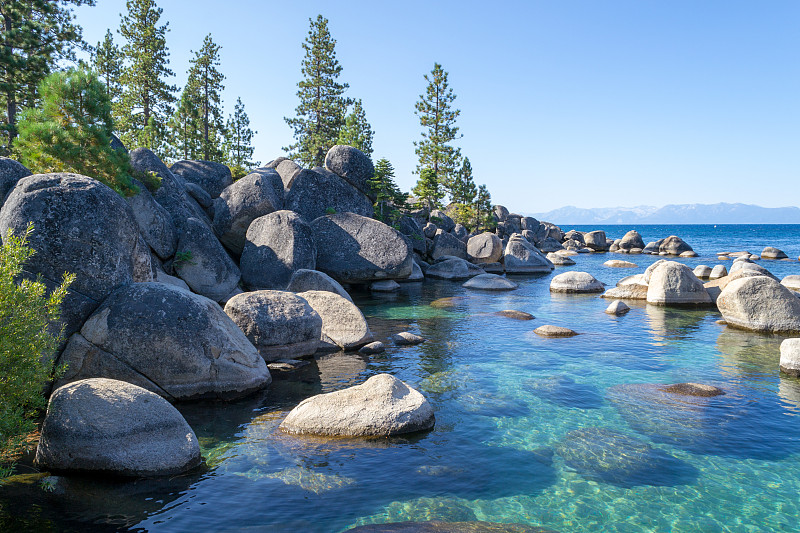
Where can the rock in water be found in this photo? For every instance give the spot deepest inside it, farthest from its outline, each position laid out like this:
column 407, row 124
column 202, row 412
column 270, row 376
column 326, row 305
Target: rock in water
column 617, row 308
column 352, row 165
column 312, row 280
column 172, row 342
column 385, row 286
column 702, row 271
column 596, row 240
column 616, row 263
column 277, row 245
column 627, row 292
column 554, row 331
column 104, row 426
column 280, row 324
column 673, row 283
column 490, row 282
column 773, row 253
column 212, row 177
column 343, row 324
column 355, row 249
column 790, row 357
column 693, row 389
column 435, row 526
column 791, row 282
column 520, row 256
column 372, row 348
column 315, row 194
column 759, row 303
column 382, row 406
column 559, row 259
column 516, row 315
column 453, row 268
column 202, row 262
column 632, row 239
column 578, row 282
column 719, row 271
column 407, row 339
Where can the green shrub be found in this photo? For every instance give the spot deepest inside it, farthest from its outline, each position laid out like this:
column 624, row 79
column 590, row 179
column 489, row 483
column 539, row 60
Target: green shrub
column 26, row 344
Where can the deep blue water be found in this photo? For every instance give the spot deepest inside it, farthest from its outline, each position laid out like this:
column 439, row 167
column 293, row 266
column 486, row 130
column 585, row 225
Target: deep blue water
column 572, row 434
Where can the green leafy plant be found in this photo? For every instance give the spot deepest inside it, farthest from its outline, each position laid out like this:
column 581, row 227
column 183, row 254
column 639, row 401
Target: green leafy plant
column 27, row 342
column 183, row 258
column 330, row 211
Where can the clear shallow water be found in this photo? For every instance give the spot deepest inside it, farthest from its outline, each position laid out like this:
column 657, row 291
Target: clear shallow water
column 569, row 434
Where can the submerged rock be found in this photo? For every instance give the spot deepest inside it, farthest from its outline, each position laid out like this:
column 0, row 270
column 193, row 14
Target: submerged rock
column 565, row 392
column 382, row 406
column 490, row 282
column 554, row 331
column 516, row 315
column 434, row 526
column 693, row 389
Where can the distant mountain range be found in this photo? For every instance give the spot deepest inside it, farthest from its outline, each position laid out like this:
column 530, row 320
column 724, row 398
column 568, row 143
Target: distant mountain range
column 673, row 214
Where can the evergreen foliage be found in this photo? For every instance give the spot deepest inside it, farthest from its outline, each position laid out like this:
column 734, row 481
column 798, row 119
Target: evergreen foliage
column 206, row 82
column 356, row 131
column 438, row 119
column 320, row 115
column 389, row 198
column 71, row 131
column 184, row 126
column 34, row 35
column 26, row 312
column 239, row 142
column 463, row 193
column 482, row 207
column 107, row 62
column 145, row 105
column 428, row 190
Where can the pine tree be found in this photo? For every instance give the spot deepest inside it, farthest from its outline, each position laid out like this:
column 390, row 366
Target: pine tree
column 238, row 141
column 145, row 105
column 482, row 207
column 184, row 126
column 389, row 198
column 463, row 193
column 208, row 79
column 107, row 61
column 320, row 115
column 71, row 131
column 438, row 119
column 428, row 190
column 34, row 35
column 356, row 131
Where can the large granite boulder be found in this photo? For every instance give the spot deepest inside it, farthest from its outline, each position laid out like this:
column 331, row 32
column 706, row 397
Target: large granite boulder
column 559, row 260
column 791, row 282
column 627, row 292
column 759, row 303
column 652, row 247
column 719, row 271
column 180, row 345
column 382, row 406
column 442, row 221
column 356, row 249
column 202, row 262
column 575, row 282
column 746, row 264
column 484, row 248
column 316, row 194
column 453, row 268
column 343, row 324
column 409, row 227
column 281, row 325
column 240, row 204
column 104, row 426
column 143, row 268
column 520, row 256
column 352, row 165
column 674, row 246
column 313, row 280
column 673, row 283
column 211, row 176
column 80, row 226
column 10, row 173
column 448, row 244
column 154, row 222
column 596, row 240
column 500, row 213
column 288, row 171
column 771, row 252
column 490, row 282
column 277, row 245
column 648, row 272
column 790, row 357
column 630, row 240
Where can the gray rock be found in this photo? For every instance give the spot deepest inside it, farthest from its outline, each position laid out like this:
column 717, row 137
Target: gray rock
column 529, row 235
column 652, row 247
column 275, row 162
column 673, row 283
column 490, row 282
column 343, row 324
column 554, row 331
column 529, row 223
column 627, row 292
column 791, row 282
column 355, row 249
column 199, row 195
column 411, row 229
column 549, row 245
column 429, row 230
column 648, row 272
column 382, row 406
column 745, row 264
column 212, row 177
column 773, row 253
column 442, row 221
column 281, row 325
column 203, row 264
column 572, row 244
column 689, row 253
column 559, row 260
column 448, row 244
column 759, row 303
column 155, row 222
column 372, row 348
column 177, row 344
column 416, row 274
column 386, row 285
column 116, row 144
column 103, row 426
column 615, row 247
column 520, row 256
column 240, row 204
column 484, row 248
column 702, row 271
column 596, row 240
column 636, row 279
column 313, row 280
column 163, row 277
column 274, row 179
column 632, row 239
column 316, row 194
column 617, row 308
column 461, row 233
column 453, row 268
column 574, row 235
column 575, row 282
column 674, row 246
column 352, row 165
column 277, row 245
column 616, row 263
column 790, row 357
column 143, row 269
column 288, row 171
column 80, row 226
column 719, row 271
column 406, row 338
column 500, row 213
column 10, row 173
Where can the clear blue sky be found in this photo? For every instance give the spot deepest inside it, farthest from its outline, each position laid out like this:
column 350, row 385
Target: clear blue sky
column 565, row 102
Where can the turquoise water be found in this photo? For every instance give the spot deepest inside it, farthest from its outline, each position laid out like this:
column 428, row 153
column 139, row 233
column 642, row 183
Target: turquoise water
column 571, row 434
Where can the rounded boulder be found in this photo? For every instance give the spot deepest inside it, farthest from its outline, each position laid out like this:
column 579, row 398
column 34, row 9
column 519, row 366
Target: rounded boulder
column 759, row 303
column 484, row 248
column 578, row 282
column 343, row 324
column 673, row 283
column 352, row 165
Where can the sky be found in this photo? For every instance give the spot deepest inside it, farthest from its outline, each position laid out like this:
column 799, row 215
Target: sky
column 563, row 102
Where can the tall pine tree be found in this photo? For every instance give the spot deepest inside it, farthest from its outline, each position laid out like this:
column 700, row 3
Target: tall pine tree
column 388, row 196
column 437, row 116
column 428, row 190
column 184, row 125
column 204, row 75
column 463, row 193
column 482, row 207
column 320, row 115
column 107, row 61
column 146, row 102
column 356, row 131
column 34, row 35
column 239, row 141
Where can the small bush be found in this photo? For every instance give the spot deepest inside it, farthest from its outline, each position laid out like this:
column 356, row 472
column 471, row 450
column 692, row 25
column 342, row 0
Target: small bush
column 26, row 344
